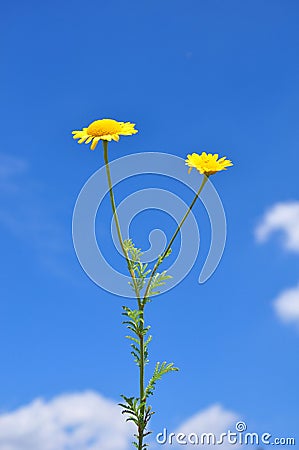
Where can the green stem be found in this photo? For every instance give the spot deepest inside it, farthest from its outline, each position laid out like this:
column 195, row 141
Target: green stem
column 140, row 305
column 162, row 257
column 141, row 383
column 115, row 216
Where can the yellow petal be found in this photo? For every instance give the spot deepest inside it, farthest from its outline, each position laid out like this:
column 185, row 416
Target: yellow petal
column 94, row 143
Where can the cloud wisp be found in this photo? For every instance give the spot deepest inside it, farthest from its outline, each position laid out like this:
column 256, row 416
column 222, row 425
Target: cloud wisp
column 24, row 214
column 10, row 168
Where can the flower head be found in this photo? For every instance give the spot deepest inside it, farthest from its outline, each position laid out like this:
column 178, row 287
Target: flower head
column 105, row 130
column 207, row 164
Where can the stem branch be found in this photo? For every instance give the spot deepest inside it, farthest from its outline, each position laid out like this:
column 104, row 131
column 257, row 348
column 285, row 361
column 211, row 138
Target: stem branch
column 142, row 415
column 115, row 216
column 162, row 257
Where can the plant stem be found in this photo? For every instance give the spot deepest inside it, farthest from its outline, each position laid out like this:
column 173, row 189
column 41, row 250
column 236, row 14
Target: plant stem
column 115, row 216
column 141, row 381
column 140, row 304
column 160, row 260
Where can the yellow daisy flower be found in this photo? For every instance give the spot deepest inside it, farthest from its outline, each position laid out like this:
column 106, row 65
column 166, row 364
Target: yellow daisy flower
column 105, row 130
column 207, row 164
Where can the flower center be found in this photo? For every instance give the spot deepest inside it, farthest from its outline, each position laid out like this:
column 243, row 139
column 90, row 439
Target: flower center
column 103, row 127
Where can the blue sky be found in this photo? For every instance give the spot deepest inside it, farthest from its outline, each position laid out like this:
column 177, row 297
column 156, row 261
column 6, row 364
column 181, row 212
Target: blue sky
column 215, row 76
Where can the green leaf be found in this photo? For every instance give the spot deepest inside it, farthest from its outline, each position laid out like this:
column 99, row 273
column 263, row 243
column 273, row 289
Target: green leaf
column 158, row 280
column 140, row 269
column 160, row 370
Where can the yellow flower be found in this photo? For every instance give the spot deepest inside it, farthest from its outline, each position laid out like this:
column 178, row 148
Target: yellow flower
column 105, row 130
column 207, row 164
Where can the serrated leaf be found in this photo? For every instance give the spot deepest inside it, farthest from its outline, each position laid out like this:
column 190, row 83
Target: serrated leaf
column 160, row 370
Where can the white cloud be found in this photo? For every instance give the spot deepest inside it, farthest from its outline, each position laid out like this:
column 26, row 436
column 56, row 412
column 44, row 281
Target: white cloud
column 287, row 305
column 82, row 421
column 282, row 217
column 214, row 419
column 88, row 421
